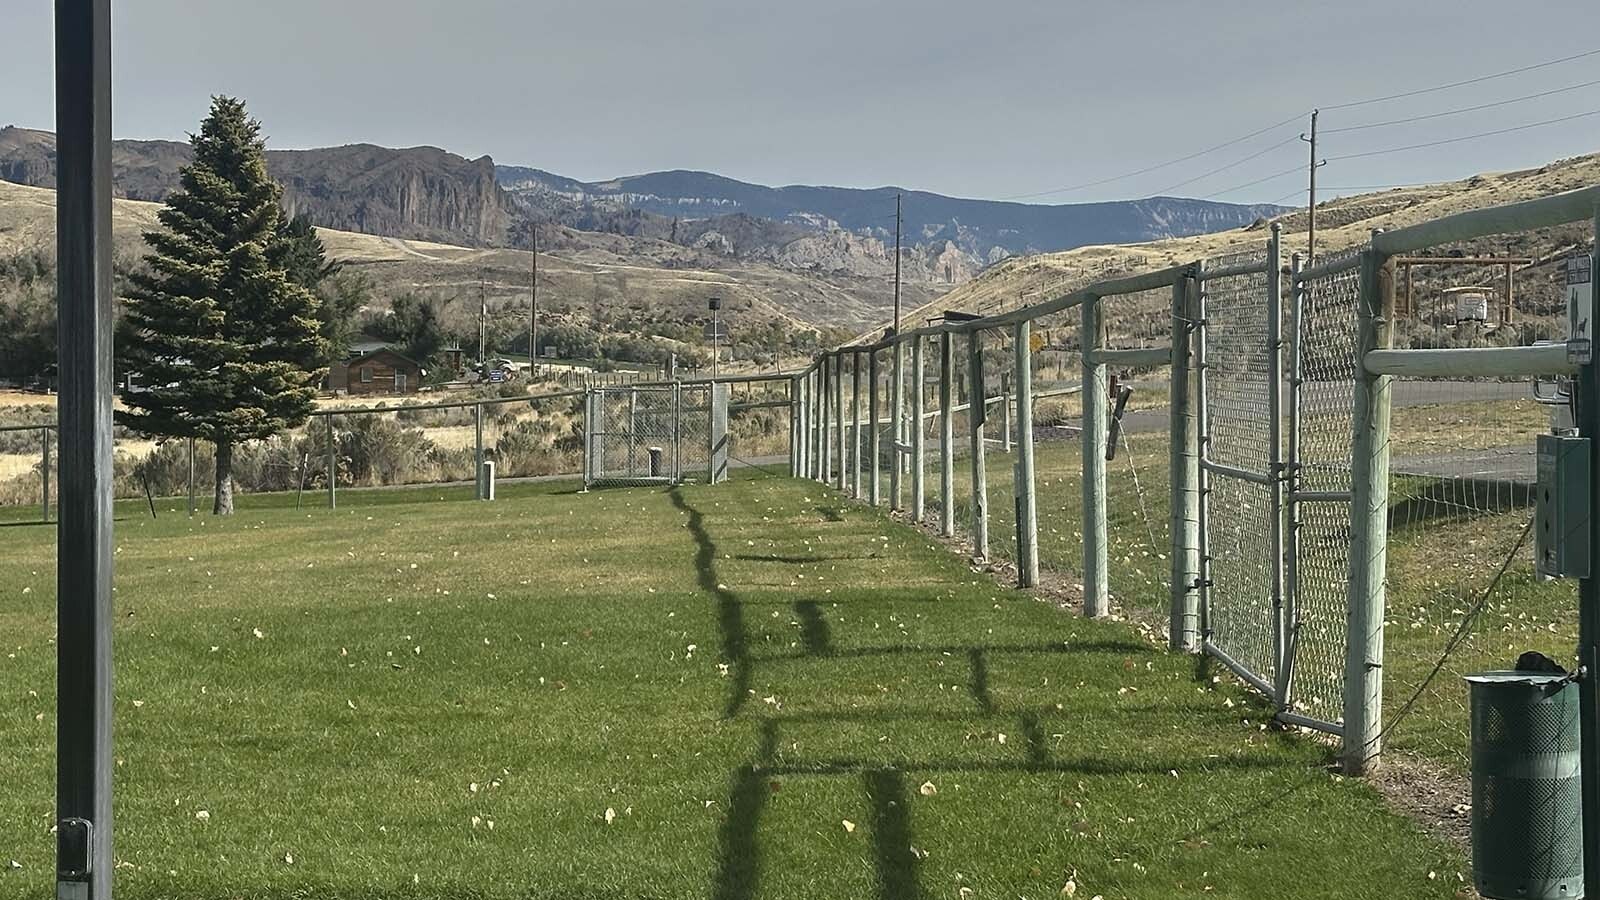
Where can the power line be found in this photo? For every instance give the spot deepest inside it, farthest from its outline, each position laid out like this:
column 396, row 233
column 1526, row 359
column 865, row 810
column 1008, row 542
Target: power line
column 1467, row 137
column 1171, row 162
column 1236, row 162
column 1240, row 187
column 1455, row 84
column 1464, row 109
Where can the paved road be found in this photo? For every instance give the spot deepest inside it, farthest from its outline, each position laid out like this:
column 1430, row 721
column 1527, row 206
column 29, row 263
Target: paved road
column 1515, row 464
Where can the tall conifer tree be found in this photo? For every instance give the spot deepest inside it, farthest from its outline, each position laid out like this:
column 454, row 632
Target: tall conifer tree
column 226, row 346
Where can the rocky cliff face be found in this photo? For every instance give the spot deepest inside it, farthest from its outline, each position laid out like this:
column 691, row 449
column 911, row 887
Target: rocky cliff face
column 421, row 193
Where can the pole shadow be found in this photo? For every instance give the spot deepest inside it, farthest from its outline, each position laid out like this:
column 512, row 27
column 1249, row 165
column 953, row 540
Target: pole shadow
column 814, row 632
column 730, row 615
column 894, row 860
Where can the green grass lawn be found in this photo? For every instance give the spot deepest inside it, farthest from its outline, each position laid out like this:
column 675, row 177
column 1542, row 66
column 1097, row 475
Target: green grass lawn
column 753, row 690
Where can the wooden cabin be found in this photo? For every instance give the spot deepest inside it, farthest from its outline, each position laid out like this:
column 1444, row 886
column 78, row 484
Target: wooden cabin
column 379, row 372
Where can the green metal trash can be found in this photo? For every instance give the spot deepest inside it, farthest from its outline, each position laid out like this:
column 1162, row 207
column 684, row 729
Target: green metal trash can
column 1527, row 834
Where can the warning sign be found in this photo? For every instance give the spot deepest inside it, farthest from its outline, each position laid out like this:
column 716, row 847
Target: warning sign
column 1580, row 297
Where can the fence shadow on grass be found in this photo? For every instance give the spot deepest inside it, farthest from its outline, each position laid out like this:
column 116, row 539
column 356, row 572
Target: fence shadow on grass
column 730, row 614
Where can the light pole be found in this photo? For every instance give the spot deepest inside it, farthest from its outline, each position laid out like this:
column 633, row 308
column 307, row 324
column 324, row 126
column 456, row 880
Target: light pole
column 716, row 335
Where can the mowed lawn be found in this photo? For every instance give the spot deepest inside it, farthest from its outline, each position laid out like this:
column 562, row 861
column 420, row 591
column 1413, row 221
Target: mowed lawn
column 752, row 690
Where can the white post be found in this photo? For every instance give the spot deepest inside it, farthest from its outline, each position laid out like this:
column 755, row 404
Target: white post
column 1005, row 415
column 1096, row 589
column 1027, row 502
column 947, row 437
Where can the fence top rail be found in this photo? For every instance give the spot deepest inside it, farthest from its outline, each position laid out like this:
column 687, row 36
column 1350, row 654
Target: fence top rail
column 1254, row 267
column 1544, row 212
column 6, row 428
column 443, row 404
column 1327, row 267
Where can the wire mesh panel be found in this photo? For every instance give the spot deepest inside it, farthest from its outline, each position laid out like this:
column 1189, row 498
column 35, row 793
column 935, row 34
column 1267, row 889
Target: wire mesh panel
column 1320, row 479
column 1137, row 472
column 1238, row 432
column 647, row 435
column 1463, row 596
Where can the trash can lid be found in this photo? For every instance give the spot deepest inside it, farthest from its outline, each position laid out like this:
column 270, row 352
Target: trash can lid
column 1512, row 677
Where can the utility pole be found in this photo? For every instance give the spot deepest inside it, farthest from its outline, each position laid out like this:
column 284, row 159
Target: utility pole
column 533, row 309
column 483, row 318
column 1311, row 198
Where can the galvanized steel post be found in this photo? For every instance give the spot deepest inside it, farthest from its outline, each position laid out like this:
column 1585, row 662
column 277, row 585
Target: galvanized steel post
column 44, row 473
column 1274, row 349
column 1096, row 587
column 977, row 413
column 1183, row 629
column 874, row 450
column 855, row 424
column 947, row 437
column 333, row 464
column 1027, row 502
column 1369, row 513
column 897, row 428
column 918, row 444
column 839, row 479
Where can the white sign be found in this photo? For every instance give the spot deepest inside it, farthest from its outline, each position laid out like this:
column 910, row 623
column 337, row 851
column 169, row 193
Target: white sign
column 1580, row 298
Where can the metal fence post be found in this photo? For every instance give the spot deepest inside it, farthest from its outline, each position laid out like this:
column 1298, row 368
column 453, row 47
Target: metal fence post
column 44, row 472
column 977, row 414
column 874, row 448
column 333, row 465
column 1275, row 454
column 1369, row 508
column 839, row 479
column 1185, row 477
column 794, row 419
column 919, row 497
column 897, row 427
column 1291, row 525
column 1202, row 420
column 819, row 420
column 824, row 401
column 84, row 552
column 477, row 456
column 1005, row 415
column 192, row 502
column 947, row 436
column 1027, row 502
column 855, row 426
column 677, row 431
column 1096, row 587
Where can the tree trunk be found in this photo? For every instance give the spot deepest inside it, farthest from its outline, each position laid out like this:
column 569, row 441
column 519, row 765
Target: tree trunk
column 223, row 505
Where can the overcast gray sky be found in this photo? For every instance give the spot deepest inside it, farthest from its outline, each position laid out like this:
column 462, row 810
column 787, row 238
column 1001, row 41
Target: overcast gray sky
column 983, row 99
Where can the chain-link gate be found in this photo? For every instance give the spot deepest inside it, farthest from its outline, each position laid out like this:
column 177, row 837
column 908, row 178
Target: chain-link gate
column 1238, row 355
column 658, row 434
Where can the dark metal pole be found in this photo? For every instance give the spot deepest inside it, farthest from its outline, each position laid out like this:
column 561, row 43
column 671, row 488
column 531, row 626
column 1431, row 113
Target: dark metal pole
column 1589, row 625
column 83, row 543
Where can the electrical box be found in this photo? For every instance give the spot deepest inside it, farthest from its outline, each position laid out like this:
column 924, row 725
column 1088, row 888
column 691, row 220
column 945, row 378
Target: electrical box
column 1561, row 517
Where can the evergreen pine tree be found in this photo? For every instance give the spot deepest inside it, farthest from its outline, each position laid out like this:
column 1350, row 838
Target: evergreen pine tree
column 225, row 345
